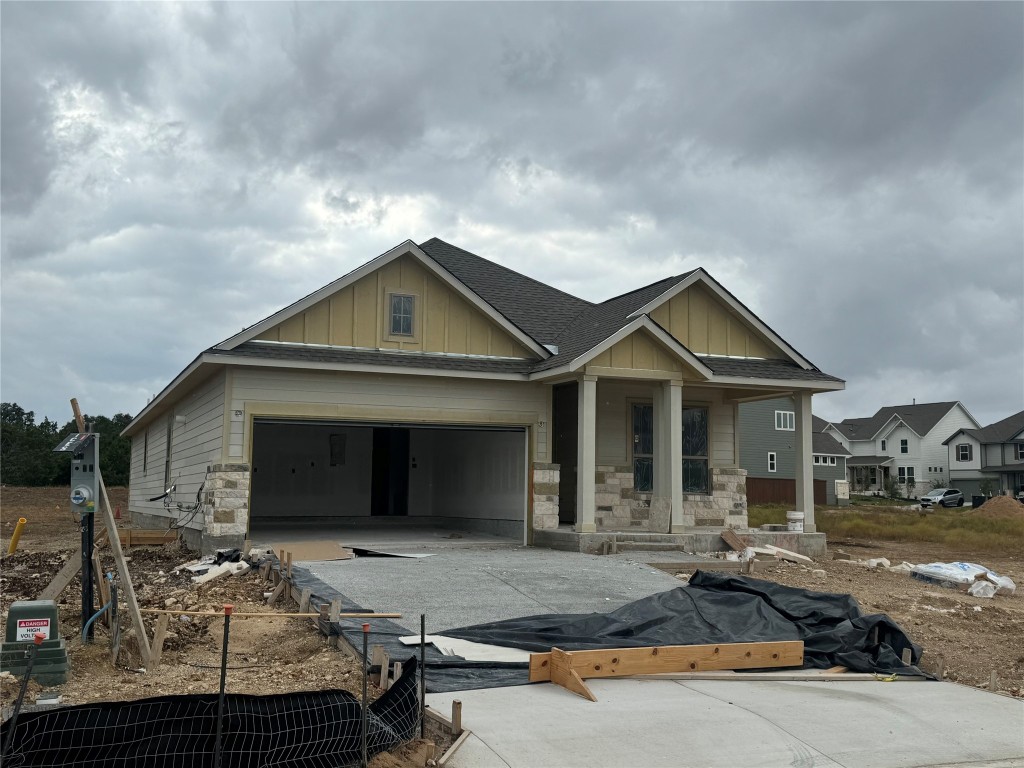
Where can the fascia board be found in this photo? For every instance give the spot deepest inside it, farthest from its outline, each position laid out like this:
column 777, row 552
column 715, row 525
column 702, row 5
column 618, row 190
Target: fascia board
column 154, row 404
column 735, row 304
column 258, row 362
column 788, row 384
column 954, row 436
column 673, row 344
column 655, row 330
column 407, row 247
column 607, row 343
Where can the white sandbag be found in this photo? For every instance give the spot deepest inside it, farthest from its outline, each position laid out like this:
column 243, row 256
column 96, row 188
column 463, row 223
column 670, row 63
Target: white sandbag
column 962, row 575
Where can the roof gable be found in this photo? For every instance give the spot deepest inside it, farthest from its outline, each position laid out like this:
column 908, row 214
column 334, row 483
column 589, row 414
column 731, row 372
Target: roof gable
column 735, row 307
column 291, row 313
column 921, row 418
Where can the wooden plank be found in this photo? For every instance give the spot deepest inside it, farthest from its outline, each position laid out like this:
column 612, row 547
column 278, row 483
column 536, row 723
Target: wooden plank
column 766, row 677
column 126, row 578
column 158, row 642
column 139, row 537
column 563, row 674
column 456, row 717
column 64, row 576
column 379, row 658
column 729, row 537
column 274, row 615
column 617, row 662
column 708, row 565
column 307, row 594
column 335, row 613
column 278, row 591
column 102, row 583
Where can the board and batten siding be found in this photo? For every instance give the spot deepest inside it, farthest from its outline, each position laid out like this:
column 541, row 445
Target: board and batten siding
column 367, row 397
column 196, row 445
column 358, row 316
column 705, row 325
column 614, row 418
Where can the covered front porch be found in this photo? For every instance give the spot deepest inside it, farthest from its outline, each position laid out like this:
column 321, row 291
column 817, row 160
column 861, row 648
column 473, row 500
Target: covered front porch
column 868, row 474
column 652, row 457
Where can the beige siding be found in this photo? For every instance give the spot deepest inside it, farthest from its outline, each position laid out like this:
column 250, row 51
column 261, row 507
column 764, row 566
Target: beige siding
column 196, row 444
column 340, row 395
column 614, row 425
column 638, row 351
column 705, row 325
column 358, row 316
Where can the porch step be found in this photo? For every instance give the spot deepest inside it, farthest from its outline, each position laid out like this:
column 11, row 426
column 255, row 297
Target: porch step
column 648, row 546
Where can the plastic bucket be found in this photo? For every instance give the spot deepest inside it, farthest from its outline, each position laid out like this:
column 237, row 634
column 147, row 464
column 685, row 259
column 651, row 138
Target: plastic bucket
column 795, row 522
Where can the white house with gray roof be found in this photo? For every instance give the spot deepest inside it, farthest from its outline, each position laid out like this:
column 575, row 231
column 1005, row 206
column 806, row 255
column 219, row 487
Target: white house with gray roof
column 434, row 387
column 901, row 441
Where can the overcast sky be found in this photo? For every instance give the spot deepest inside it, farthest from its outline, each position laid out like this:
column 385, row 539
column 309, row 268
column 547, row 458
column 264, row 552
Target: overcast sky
column 851, row 171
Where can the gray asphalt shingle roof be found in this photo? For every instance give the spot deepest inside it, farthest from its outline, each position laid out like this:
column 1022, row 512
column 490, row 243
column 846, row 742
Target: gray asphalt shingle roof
column 764, row 369
column 920, row 418
column 373, row 357
column 540, row 310
column 827, row 445
column 999, row 432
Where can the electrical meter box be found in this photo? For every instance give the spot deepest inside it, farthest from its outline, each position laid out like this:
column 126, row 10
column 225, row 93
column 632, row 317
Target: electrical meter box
column 26, row 618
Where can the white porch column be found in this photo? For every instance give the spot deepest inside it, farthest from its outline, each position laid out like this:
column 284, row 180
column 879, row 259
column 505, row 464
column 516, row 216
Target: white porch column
column 804, row 456
column 586, row 455
column 672, row 396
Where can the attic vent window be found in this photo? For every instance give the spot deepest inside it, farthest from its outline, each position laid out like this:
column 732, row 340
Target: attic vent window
column 401, row 314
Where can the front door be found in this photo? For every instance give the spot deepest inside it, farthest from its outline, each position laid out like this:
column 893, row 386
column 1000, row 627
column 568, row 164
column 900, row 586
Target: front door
column 643, row 447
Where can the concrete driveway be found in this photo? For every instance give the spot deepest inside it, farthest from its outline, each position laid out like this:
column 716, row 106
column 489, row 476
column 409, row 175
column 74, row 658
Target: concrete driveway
column 459, row 586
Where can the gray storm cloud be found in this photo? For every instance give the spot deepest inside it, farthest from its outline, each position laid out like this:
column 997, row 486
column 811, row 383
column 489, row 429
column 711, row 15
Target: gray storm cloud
column 853, row 172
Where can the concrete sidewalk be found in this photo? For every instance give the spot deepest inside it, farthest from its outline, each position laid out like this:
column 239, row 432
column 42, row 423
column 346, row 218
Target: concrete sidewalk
column 713, row 724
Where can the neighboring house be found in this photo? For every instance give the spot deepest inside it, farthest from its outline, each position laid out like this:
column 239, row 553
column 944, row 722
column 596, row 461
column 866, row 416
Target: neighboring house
column 767, row 453
column 900, row 441
column 994, row 453
column 438, row 387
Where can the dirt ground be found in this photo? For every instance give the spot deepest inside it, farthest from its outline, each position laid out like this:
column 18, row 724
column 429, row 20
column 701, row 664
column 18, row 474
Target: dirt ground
column 265, row 655
column 974, row 636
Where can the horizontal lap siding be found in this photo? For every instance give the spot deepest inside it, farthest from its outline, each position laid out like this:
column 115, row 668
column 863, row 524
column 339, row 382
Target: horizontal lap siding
column 372, row 397
column 196, row 446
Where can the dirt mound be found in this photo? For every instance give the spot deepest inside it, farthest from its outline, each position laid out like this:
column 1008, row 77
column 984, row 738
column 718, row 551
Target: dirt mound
column 1000, row 507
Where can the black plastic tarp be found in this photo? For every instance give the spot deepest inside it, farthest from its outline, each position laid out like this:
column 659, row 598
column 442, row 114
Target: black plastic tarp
column 721, row 608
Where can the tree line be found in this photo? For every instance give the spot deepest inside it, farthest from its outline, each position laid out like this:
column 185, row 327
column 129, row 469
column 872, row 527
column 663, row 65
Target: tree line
column 26, row 448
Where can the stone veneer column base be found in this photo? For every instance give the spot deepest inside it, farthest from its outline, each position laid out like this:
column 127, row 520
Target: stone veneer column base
column 545, row 496
column 225, row 507
column 726, row 507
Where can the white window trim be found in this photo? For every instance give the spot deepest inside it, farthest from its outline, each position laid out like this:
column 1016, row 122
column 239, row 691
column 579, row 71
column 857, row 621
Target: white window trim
column 904, row 446
column 787, row 418
column 905, row 473
column 1018, row 451
column 884, row 444
column 773, row 461
column 959, row 452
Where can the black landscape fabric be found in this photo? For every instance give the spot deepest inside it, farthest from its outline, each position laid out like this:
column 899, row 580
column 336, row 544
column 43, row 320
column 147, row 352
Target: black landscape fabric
column 722, row 608
column 315, row 729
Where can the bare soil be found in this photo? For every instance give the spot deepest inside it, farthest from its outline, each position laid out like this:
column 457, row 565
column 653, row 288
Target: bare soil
column 972, row 635
column 265, row 655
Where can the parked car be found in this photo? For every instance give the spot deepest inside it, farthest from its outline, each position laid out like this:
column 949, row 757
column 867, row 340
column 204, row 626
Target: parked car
column 945, row 497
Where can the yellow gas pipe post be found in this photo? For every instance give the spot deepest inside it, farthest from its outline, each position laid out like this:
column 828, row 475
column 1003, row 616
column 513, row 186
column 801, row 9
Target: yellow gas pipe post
column 16, row 535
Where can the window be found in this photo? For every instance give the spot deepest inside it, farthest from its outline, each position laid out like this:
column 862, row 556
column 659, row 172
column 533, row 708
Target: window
column 772, row 463
column 906, row 474
column 831, row 461
column 643, row 447
column 145, row 450
column 1018, row 451
column 904, row 448
column 817, row 460
column 401, row 314
column 964, row 452
column 883, row 444
column 695, row 450
column 785, row 420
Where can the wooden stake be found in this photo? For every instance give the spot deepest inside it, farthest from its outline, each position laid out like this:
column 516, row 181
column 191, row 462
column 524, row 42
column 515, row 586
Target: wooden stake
column 126, row 577
column 335, row 614
column 158, row 642
column 564, row 675
column 456, row 717
column 307, row 594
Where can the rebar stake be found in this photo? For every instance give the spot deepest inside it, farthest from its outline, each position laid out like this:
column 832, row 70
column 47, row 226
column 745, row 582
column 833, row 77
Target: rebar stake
column 423, row 675
column 37, row 639
column 217, row 746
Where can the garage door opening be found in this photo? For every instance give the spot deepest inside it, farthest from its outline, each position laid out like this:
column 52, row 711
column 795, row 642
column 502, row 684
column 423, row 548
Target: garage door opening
column 359, row 475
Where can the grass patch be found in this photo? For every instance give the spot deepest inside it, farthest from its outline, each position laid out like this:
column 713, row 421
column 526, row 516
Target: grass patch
column 955, row 529
column 879, row 501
